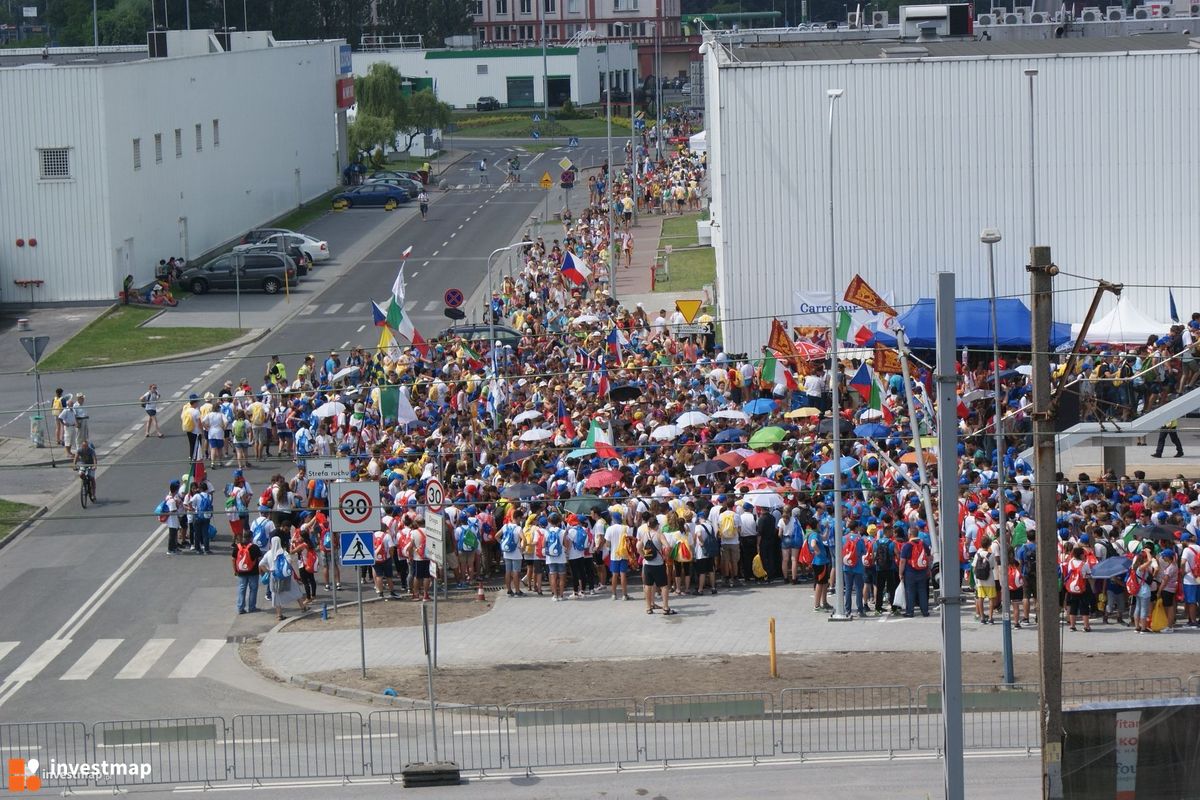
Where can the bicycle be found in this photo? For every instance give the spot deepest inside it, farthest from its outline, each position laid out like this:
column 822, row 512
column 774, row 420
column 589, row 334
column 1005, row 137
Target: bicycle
column 87, row 486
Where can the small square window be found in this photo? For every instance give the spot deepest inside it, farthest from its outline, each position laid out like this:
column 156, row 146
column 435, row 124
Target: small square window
column 481, row 69
column 137, row 153
column 199, row 137
column 216, row 133
column 158, row 148
column 55, row 163
column 179, row 142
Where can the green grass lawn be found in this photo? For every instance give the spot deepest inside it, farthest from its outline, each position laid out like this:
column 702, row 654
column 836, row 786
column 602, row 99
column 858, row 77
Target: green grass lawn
column 11, row 515
column 680, row 231
column 690, row 270
column 115, row 337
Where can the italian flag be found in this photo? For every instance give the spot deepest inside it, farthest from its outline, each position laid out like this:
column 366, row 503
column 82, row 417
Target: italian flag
column 600, row 440
column 474, row 361
column 776, row 374
column 875, row 401
column 852, row 329
column 402, row 324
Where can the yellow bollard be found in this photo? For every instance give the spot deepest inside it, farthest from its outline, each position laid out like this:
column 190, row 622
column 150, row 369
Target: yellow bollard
column 774, row 665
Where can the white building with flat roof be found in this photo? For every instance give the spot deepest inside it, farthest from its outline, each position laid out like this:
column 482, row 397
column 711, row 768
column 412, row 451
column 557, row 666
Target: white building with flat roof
column 114, row 160
column 931, row 146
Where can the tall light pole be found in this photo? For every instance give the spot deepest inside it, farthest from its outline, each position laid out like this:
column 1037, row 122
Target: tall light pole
column 990, row 237
column 1031, row 73
column 633, row 137
column 492, row 290
column 95, row 27
column 545, row 68
column 608, row 179
column 835, row 379
column 658, row 83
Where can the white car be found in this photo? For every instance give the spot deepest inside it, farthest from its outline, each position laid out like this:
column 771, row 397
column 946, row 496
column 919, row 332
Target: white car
column 315, row 249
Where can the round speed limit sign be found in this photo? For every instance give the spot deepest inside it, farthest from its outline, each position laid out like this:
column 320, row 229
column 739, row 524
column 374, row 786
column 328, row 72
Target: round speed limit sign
column 435, row 495
column 351, row 508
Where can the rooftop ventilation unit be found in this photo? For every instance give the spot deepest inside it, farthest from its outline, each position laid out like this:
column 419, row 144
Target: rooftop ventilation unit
column 1141, row 13
column 1039, row 18
column 879, row 19
column 1114, row 14
column 1023, row 12
column 1091, row 14
column 987, row 20
column 1012, row 19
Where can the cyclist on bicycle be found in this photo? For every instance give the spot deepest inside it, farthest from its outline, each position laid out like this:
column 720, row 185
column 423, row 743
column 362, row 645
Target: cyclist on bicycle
column 85, row 463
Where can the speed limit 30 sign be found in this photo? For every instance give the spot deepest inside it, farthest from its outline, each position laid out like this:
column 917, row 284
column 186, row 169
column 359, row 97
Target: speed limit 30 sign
column 352, row 508
column 435, row 495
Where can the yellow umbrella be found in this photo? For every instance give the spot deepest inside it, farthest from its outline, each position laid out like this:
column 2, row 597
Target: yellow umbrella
column 807, row 411
column 928, row 441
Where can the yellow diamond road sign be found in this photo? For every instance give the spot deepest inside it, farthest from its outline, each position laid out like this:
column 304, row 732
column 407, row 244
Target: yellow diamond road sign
column 546, row 181
column 565, row 164
column 689, row 308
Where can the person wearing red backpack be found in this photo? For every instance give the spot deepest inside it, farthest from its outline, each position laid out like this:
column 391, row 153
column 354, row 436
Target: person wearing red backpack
column 1077, row 573
column 1190, row 567
column 914, row 571
column 246, row 556
column 1016, row 588
column 853, row 550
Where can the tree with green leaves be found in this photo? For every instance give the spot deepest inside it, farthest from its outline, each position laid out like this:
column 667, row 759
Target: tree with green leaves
column 425, row 112
column 380, row 94
column 368, row 133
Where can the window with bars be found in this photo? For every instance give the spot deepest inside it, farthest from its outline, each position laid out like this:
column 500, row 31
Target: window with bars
column 158, row 148
column 179, row 142
column 55, row 163
column 137, row 153
column 199, row 137
column 216, row 133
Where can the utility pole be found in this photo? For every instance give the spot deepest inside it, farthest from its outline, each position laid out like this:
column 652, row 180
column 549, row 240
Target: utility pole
column 952, row 698
column 1041, row 275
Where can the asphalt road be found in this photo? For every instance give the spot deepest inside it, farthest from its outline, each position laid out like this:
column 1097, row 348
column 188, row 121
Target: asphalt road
column 99, row 622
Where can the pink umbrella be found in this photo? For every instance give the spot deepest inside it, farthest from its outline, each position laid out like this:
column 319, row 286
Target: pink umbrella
column 602, row 478
column 757, row 482
column 762, row 460
column 732, row 458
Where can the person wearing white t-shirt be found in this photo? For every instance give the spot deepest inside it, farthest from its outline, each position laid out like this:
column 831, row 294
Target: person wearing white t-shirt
column 214, row 424
column 1190, row 566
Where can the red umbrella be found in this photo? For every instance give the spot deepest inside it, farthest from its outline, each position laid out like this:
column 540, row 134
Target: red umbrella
column 762, row 460
column 731, row 458
column 602, row 478
column 809, row 351
column 758, row 482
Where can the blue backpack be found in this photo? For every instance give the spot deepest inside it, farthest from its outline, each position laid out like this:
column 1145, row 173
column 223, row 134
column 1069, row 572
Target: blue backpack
column 283, row 568
column 258, row 533
column 508, row 538
column 554, row 545
column 163, row 511
column 205, row 506
column 579, row 538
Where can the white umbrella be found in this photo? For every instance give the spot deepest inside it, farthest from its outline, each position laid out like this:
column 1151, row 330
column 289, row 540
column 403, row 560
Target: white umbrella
column 691, row 418
column 585, row 319
column 344, row 373
column 976, row 394
column 330, row 409
column 666, row 433
column 1025, row 369
column 871, row 413
column 536, row 435
column 764, row 499
column 731, row 413
column 527, row 416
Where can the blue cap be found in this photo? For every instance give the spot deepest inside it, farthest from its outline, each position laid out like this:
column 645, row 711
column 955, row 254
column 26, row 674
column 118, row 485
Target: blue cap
column 263, row 507
column 193, row 396
column 237, row 473
column 1084, row 538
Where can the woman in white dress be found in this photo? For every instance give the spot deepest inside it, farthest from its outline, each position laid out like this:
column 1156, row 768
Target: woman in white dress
column 284, row 589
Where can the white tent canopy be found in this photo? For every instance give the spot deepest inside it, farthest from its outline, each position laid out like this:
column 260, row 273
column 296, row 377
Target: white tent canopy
column 698, row 142
column 1125, row 324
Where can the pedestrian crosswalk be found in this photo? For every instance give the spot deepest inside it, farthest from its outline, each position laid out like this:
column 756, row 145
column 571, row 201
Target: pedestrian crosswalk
column 331, row 309
column 117, row 659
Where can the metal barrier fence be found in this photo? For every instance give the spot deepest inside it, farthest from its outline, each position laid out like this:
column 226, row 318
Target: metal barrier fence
column 61, row 742
column 180, row 750
column 994, row 717
column 471, row 736
column 686, row 727
column 298, row 746
column 659, row 729
column 573, row 732
column 852, row 719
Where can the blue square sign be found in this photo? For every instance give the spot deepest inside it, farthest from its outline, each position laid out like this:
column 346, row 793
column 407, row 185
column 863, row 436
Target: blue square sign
column 356, row 549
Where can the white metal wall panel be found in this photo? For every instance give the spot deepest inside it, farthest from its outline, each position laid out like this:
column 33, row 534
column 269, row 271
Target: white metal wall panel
column 52, row 107
column 931, row 152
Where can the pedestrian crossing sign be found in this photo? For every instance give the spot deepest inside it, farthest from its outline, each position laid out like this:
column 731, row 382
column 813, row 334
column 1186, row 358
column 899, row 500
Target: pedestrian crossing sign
column 573, row 141
column 356, row 550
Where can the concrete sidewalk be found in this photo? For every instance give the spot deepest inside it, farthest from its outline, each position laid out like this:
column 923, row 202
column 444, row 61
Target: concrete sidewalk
column 531, row 629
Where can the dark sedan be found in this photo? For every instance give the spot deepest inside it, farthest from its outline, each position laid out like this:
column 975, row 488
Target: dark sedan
column 371, row 194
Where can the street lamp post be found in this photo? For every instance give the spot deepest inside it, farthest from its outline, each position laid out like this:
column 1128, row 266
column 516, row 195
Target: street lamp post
column 835, row 379
column 545, row 68
column 608, row 179
column 1031, row 73
column 492, row 290
column 990, row 236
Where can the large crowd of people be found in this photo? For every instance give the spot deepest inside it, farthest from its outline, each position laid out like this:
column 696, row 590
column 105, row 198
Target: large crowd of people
column 603, row 451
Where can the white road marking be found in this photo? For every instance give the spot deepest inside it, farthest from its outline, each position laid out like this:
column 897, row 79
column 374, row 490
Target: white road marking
column 431, row 305
column 435, row 252
column 304, row 312
column 141, row 663
column 454, row 234
column 344, row 345
column 362, row 327
column 445, row 243
column 195, row 661
column 38, row 660
column 333, row 309
column 460, row 227
column 6, row 648
column 122, row 573
column 90, row 661
column 424, row 264
column 357, row 307
column 410, row 305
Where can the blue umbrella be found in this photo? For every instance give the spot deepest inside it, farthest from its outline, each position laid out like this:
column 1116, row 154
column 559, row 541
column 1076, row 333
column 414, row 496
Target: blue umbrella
column 1112, row 567
column 763, row 405
column 848, row 464
column 872, row 430
column 580, row 453
column 730, row 435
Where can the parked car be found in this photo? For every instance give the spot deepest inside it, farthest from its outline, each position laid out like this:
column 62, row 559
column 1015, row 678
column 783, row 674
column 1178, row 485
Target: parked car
column 413, row 188
column 371, row 194
column 299, row 258
column 481, row 333
column 315, row 249
column 487, row 104
column 266, row 271
column 395, row 173
column 685, row 89
column 259, row 234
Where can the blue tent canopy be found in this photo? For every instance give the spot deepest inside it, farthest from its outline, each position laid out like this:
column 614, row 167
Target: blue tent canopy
column 972, row 324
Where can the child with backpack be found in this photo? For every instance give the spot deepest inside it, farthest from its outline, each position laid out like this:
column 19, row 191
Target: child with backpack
column 280, row 573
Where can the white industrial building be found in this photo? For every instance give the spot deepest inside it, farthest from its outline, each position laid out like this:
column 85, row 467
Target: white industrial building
column 460, row 76
column 932, row 145
column 114, row 160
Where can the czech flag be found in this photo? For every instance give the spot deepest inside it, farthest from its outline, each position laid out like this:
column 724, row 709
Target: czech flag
column 613, row 342
column 407, row 252
column 574, row 270
column 378, row 315
column 602, row 387
column 861, row 382
column 564, row 419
